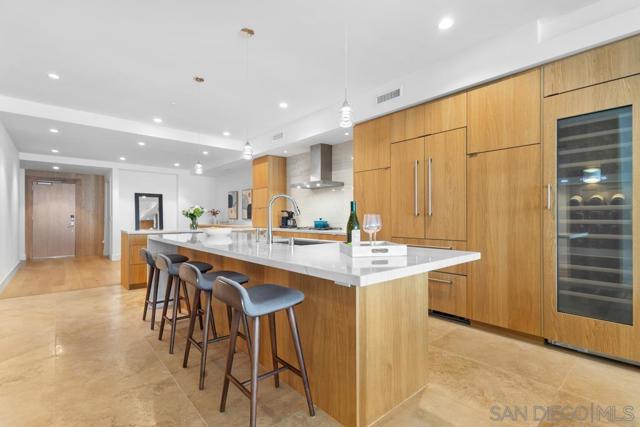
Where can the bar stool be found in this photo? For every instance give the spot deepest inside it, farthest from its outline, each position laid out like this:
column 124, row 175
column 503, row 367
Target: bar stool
column 163, row 263
column 261, row 300
column 204, row 283
column 152, row 282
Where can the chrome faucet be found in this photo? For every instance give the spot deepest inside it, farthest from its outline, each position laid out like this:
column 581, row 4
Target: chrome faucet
column 275, row 197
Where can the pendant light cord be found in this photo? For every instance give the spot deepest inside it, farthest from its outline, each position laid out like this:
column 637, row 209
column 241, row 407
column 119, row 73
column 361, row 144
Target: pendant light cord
column 346, row 56
column 246, row 93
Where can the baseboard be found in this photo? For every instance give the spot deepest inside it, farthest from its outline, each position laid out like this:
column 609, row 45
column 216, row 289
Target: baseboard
column 114, row 257
column 7, row 278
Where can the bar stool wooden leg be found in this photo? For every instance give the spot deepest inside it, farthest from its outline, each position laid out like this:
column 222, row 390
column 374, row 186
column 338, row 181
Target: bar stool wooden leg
column 234, row 326
column 247, row 334
column 254, row 370
column 174, row 314
column 200, row 314
column 205, row 341
column 293, row 323
column 274, row 347
column 192, row 325
column 165, row 305
column 154, row 301
column 186, row 297
column 146, row 297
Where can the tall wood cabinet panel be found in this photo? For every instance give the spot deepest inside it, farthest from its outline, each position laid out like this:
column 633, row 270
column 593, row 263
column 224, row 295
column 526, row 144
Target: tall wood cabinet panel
column 371, row 144
column 372, row 193
column 407, row 184
column 504, row 225
column 269, row 178
column 445, row 210
column 504, row 114
column 445, row 114
column 602, row 64
column 591, row 241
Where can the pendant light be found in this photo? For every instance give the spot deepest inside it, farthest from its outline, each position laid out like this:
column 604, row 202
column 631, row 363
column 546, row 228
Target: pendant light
column 247, row 151
column 197, row 169
column 346, row 113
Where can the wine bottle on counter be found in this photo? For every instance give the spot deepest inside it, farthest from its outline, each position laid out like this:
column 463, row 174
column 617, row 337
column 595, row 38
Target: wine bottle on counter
column 353, row 226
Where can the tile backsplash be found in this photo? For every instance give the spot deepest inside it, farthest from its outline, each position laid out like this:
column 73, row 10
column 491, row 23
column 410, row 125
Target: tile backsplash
column 331, row 204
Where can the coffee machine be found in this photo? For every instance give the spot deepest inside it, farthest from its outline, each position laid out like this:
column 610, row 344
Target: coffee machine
column 287, row 219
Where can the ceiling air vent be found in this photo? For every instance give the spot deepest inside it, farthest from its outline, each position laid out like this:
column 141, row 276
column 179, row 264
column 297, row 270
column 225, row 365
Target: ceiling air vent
column 387, row 96
column 277, row 136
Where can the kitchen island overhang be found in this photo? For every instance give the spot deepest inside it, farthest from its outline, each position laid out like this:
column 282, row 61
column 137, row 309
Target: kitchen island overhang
column 363, row 327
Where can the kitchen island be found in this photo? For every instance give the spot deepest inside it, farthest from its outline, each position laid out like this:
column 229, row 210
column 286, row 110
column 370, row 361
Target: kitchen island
column 363, row 322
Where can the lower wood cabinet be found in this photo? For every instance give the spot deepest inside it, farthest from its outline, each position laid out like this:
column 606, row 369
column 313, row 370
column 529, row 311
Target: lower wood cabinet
column 316, row 236
column 133, row 268
column 504, row 225
column 449, row 245
column 448, row 293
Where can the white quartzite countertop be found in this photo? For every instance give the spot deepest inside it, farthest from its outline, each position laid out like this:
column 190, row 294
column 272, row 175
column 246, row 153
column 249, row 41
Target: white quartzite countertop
column 323, row 260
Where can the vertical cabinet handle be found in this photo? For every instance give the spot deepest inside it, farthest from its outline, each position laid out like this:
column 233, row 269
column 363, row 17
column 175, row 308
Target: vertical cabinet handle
column 429, row 187
column 415, row 188
column 549, row 196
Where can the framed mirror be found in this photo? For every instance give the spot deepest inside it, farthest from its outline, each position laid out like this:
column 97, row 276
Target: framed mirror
column 148, row 211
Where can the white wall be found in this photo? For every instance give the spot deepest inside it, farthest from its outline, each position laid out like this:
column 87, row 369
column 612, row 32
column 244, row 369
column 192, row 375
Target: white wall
column 9, row 206
column 331, row 204
column 237, row 179
column 195, row 190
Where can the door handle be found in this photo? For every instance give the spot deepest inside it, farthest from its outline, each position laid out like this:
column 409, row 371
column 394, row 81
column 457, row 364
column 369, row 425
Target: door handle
column 416, row 211
column 448, row 248
column 429, row 186
column 445, row 282
column 549, row 189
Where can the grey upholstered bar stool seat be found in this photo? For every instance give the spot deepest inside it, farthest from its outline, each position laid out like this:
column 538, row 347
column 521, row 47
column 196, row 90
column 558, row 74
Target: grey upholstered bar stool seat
column 261, row 300
column 175, row 286
column 204, row 283
column 151, row 298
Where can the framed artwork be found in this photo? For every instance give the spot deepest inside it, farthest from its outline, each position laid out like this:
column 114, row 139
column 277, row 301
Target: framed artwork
column 246, row 203
column 232, row 205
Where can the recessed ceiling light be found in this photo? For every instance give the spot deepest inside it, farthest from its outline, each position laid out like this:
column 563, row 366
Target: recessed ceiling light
column 445, row 23
column 284, row 105
column 157, row 119
column 55, row 168
column 176, row 165
column 123, row 158
column 285, row 151
column 53, row 150
column 53, row 76
column 205, row 153
column 142, row 143
column 198, row 79
column 52, row 130
column 346, row 133
column 226, row 133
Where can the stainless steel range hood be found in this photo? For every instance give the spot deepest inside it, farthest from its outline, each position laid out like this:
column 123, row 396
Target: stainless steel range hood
column 320, row 170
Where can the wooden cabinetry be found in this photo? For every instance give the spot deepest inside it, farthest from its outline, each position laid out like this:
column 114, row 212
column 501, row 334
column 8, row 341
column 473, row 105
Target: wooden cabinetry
column 505, row 114
column 610, row 62
column 133, row 269
column 372, row 193
column 445, row 114
column 269, row 178
column 445, row 160
column 371, row 143
column 407, row 184
column 504, row 225
column 448, row 293
column 315, row 236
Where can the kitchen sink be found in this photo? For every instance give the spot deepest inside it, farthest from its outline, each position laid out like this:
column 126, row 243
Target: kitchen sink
column 302, row 242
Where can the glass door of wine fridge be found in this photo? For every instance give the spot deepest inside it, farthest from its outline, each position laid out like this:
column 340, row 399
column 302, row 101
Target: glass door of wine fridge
column 591, row 147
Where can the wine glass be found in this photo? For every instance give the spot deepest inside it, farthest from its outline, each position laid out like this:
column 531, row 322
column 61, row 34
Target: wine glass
column 372, row 224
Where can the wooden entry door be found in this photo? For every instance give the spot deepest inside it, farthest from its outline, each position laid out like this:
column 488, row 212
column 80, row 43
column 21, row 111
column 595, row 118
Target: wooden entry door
column 54, row 215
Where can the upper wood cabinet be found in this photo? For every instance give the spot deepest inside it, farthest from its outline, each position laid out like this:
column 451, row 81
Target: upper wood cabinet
column 445, row 210
column 504, row 114
column 371, row 144
column 407, row 188
column 610, row 62
column 445, row 114
column 372, row 193
column 269, row 178
column 414, row 122
column 504, row 225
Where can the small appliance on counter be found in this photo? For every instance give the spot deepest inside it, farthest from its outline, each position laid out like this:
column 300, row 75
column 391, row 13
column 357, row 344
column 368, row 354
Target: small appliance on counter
column 321, row 224
column 287, row 219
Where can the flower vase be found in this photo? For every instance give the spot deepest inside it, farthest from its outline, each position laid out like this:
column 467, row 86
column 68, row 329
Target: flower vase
column 194, row 224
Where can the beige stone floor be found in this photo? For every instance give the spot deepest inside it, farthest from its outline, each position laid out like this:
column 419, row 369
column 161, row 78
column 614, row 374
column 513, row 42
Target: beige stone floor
column 85, row 358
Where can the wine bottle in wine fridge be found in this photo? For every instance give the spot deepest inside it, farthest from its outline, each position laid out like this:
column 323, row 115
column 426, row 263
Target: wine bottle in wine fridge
column 353, row 226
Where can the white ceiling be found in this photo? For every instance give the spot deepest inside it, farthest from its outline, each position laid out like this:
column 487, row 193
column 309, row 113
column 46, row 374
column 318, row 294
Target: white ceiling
column 136, row 59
